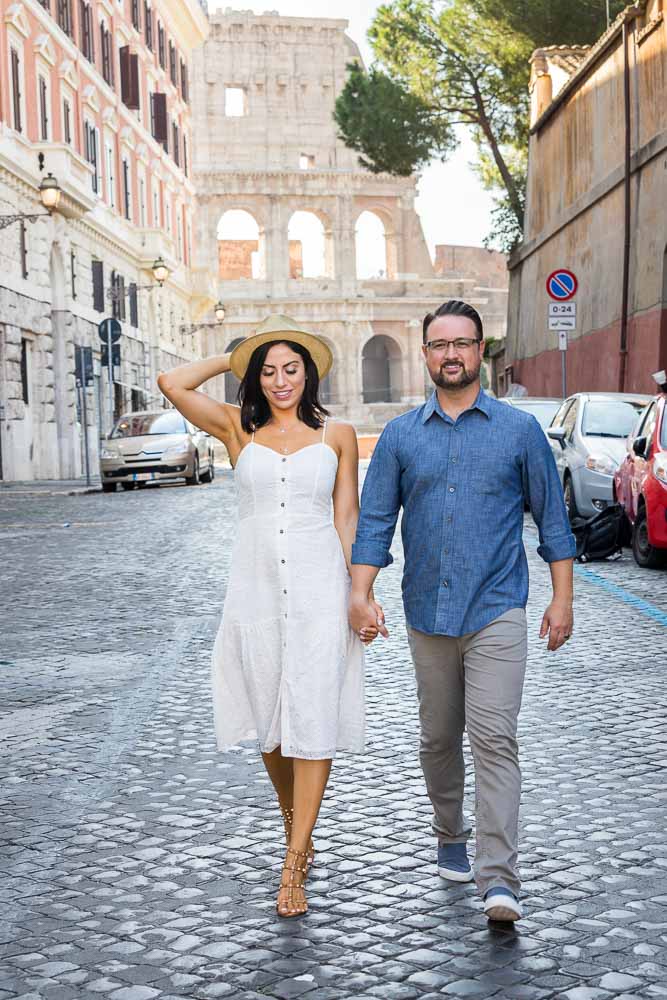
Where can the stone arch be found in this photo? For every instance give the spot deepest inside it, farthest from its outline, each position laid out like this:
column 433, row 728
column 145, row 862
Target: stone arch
column 375, row 237
column 231, row 382
column 381, row 370
column 311, row 249
column 370, row 239
column 241, row 245
column 330, row 385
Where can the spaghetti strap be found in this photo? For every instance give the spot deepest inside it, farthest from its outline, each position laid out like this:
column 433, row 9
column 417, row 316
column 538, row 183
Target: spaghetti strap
column 324, row 429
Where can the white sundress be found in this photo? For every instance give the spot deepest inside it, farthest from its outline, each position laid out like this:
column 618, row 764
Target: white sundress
column 287, row 668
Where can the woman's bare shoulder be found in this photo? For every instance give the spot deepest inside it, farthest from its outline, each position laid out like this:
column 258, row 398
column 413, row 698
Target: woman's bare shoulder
column 341, row 434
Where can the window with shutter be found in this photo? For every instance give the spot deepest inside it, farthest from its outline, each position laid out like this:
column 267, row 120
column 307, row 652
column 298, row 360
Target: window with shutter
column 184, row 82
column 23, row 248
column 16, row 91
column 172, row 63
column 121, row 297
column 72, row 265
column 148, row 25
column 134, row 306
column 25, row 394
column 185, row 155
column 136, row 15
column 98, row 285
column 43, row 110
column 115, row 302
column 129, row 78
column 159, row 118
column 107, row 54
column 67, row 122
column 90, row 137
column 161, row 46
column 64, row 14
column 87, row 42
column 127, row 190
column 175, row 145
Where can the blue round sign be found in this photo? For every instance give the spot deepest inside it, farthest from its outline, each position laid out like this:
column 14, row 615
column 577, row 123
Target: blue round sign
column 562, row 285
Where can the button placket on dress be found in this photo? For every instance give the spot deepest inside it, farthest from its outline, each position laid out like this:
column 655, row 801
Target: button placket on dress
column 282, row 549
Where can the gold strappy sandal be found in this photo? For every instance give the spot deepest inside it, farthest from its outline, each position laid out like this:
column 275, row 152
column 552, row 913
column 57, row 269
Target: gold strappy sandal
column 293, row 907
column 288, row 816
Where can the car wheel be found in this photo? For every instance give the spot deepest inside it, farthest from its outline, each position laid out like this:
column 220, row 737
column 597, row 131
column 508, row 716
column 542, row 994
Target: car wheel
column 194, row 479
column 646, row 555
column 128, row 486
column 568, row 496
column 207, row 477
column 108, row 487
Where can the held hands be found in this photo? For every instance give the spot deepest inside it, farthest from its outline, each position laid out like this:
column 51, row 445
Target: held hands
column 366, row 618
column 558, row 623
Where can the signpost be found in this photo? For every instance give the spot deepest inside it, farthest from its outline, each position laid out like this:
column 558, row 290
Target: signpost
column 110, row 333
column 562, row 286
column 83, row 370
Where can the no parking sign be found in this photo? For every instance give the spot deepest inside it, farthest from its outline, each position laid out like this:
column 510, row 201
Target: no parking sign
column 562, row 285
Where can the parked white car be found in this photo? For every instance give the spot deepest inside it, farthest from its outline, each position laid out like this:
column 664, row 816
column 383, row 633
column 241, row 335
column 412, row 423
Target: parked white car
column 587, row 437
column 155, row 447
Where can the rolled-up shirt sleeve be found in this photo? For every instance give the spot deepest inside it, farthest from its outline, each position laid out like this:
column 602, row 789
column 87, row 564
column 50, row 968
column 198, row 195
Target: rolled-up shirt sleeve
column 380, row 504
column 544, row 494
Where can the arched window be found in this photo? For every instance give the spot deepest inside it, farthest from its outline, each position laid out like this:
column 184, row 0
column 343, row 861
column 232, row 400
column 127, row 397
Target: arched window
column 310, row 247
column 371, row 247
column 231, row 382
column 240, row 246
column 381, row 370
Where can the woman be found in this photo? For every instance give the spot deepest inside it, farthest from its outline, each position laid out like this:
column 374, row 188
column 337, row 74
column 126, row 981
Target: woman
column 287, row 669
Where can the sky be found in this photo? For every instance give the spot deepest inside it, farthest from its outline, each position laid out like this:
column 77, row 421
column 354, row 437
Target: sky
column 452, row 205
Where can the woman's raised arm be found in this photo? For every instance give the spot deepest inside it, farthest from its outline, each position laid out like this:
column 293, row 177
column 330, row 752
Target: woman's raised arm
column 180, row 385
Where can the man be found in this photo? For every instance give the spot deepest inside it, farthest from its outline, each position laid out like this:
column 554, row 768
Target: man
column 462, row 467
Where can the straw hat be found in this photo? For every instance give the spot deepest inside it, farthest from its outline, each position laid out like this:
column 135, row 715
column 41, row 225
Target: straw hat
column 276, row 327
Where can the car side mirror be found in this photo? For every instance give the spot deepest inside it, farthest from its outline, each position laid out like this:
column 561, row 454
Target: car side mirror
column 558, row 434
column 639, row 447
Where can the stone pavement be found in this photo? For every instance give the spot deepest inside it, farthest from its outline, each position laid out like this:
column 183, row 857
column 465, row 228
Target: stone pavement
column 139, row 863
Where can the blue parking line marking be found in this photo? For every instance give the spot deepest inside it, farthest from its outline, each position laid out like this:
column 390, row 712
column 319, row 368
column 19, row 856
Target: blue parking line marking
column 623, row 595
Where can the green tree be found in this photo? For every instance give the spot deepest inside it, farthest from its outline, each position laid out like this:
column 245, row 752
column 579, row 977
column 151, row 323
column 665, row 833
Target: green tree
column 392, row 127
column 463, row 62
column 552, row 22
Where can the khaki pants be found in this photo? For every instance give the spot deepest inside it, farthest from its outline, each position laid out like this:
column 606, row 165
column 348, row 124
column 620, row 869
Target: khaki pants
column 474, row 682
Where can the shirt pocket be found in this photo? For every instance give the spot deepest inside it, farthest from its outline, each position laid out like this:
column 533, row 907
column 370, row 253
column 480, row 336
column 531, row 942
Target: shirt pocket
column 496, row 475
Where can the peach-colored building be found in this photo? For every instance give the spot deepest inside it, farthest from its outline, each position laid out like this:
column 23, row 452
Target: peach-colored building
column 97, row 93
column 597, row 191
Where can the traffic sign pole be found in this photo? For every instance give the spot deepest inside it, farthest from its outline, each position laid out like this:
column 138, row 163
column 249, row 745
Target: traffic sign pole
column 110, row 369
column 563, row 365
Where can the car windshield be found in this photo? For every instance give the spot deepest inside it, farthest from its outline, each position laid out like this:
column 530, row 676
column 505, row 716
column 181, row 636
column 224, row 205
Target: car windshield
column 139, row 424
column 544, row 411
column 613, row 418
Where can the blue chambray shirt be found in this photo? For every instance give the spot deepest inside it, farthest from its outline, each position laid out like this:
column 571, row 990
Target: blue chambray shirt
column 462, row 485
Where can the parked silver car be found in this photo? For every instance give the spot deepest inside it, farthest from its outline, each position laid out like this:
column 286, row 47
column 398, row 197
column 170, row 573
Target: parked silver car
column 153, row 447
column 543, row 408
column 587, row 437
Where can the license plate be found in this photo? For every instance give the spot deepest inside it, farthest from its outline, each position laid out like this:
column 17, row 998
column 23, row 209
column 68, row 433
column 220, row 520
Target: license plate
column 140, row 477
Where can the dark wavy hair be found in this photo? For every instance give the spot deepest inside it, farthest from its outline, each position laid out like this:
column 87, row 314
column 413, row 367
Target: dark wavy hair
column 454, row 307
column 255, row 409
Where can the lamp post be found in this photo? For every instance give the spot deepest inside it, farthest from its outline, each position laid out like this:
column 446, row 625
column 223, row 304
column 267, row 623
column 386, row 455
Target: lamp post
column 50, row 194
column 160, row 272
column 219, row 312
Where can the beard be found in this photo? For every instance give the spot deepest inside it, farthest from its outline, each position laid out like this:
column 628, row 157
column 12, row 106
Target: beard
column 464, row 377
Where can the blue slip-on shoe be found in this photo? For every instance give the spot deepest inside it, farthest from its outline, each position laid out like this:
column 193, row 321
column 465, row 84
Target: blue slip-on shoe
column 453, row 863
column 501, row 904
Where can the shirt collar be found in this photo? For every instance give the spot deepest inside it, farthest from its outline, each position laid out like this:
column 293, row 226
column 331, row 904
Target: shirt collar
column 432, row 405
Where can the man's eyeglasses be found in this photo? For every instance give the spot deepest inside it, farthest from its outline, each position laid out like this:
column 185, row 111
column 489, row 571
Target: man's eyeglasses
column 460, row 344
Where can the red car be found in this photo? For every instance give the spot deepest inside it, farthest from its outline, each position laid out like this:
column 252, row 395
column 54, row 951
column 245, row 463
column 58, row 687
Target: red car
column 640, row 485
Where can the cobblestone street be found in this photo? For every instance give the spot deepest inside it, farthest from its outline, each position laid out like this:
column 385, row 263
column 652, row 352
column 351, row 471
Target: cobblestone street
column 137, row 862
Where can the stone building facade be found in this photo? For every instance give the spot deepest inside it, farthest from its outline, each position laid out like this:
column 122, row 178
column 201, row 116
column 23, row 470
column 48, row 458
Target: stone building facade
column 96, row 92
column 264, row 89
column 597, row 192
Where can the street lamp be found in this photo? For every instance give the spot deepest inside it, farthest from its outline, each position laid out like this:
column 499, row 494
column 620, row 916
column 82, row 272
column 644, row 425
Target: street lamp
column 49, row 194
column 160, row 272
column 219, row 312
